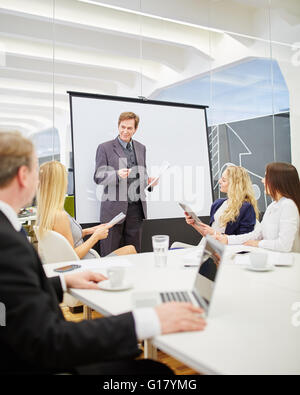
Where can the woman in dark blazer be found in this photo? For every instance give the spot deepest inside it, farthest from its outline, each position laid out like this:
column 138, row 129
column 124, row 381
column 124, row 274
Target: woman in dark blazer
column 236, row 214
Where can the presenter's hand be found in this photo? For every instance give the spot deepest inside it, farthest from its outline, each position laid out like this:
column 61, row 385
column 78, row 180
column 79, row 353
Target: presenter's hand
column 84, row 280
column 150, row 179
column 124, row 173
column 180, row 317
column 252, row 243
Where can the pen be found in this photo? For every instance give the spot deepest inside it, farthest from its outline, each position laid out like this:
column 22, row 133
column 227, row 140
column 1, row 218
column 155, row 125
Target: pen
column 190, row 265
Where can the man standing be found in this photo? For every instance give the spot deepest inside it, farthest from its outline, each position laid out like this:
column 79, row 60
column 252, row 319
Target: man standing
column 36, row 338
column 121, row 170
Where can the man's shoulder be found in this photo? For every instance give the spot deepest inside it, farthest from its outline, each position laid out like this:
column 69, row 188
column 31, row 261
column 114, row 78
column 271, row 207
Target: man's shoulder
column 11, row 241
column 107, row 144
column 138, row 144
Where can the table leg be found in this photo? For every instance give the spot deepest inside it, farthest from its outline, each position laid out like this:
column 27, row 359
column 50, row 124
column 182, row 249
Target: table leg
column 150, row 351
column 87, row 312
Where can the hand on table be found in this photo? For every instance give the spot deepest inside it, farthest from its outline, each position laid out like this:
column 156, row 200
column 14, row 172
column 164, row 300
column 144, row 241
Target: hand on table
column 84, row 280
column 180, row 317
column 251, row 243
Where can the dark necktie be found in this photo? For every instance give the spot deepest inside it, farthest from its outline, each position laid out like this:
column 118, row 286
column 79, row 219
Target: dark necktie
column 128, row 146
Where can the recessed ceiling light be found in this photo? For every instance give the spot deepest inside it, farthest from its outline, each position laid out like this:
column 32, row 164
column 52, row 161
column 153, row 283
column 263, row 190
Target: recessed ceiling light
column 131, row 11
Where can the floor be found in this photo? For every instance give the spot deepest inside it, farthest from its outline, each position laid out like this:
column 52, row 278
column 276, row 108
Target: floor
column 178, row 367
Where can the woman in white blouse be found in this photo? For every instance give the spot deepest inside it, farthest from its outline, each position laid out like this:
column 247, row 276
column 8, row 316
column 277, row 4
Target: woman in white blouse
column 279, row 229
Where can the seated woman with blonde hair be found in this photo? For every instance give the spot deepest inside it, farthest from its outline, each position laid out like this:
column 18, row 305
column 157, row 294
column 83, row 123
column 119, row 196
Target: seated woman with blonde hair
column 279, row 229
column 52, row 216
column 236, row 214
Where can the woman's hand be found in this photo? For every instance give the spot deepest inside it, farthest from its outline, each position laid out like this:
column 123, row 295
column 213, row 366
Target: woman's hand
column 188, row 219
column 222, row 238
column 202, row 229
column 206, row 230
column 251, row 243
column 101, row 232
column 102, row 226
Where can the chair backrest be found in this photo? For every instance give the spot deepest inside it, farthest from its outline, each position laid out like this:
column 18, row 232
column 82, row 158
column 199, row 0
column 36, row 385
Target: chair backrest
column 54, row 247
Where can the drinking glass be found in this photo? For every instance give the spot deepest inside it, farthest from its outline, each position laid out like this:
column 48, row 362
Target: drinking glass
column 160, row 248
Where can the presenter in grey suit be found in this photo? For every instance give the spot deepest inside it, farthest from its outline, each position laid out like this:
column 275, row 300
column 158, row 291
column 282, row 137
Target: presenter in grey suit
column 121, row 170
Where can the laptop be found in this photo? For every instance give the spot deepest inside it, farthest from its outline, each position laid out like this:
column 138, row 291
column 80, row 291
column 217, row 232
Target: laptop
column 204, row 283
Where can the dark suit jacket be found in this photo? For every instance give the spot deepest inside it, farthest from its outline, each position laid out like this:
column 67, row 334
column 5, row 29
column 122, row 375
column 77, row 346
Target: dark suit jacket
column 110, row 158
column 244, row 223
column 36, row 337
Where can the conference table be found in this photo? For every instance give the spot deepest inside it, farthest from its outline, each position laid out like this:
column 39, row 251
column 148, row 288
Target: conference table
column 252, row 325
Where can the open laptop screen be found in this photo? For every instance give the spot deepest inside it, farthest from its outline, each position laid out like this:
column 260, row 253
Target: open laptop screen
column 210, row 261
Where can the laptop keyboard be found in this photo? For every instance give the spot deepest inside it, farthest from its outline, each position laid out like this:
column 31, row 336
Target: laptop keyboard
column 175, row 297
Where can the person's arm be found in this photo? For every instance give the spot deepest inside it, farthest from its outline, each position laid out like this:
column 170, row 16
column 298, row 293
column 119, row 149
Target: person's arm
column 203, row 229
column 62, row 226
column 90, row 231
column 288, row 227
column 256, row 234
column 246, row 220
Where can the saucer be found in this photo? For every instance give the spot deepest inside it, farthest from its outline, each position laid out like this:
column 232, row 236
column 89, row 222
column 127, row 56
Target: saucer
column 105, row 286
column 267, row 268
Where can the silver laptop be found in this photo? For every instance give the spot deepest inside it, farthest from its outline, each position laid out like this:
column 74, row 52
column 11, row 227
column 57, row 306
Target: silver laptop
column 204, row 284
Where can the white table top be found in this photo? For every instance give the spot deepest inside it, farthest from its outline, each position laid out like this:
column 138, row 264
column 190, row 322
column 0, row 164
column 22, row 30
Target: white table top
column 249, row 327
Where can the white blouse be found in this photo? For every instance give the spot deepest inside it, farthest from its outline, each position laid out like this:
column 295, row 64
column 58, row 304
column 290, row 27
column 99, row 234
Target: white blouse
column 218, row 214
column 279, row 229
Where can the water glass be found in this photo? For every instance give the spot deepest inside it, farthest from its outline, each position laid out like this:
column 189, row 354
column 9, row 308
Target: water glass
column 160, row 247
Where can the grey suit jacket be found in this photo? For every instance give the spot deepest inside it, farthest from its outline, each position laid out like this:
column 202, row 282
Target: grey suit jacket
column 110, row 158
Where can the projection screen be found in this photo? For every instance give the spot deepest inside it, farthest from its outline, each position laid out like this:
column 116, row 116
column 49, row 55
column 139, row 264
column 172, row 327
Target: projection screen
column 172, row 132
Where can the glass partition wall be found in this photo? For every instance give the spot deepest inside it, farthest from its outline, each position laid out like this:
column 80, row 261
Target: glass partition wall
column 239, row 57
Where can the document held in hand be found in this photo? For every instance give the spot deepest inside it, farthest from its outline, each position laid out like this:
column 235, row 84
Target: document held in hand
column 117, row 218
column 190, row 212
column 164, row 166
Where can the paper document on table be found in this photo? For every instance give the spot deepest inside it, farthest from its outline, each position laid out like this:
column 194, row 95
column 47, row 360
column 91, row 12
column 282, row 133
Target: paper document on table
column 243, row 260
column 194, row 255
column 104, row 263
column 117, row 218
column 280, row 258
column 164, row 166
column 274, row 258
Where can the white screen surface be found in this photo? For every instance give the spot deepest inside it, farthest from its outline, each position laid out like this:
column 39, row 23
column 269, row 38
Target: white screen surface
column 173, row 134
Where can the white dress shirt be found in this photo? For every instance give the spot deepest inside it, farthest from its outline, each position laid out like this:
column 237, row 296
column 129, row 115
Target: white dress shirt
column 218, row 214
column 146, row 320
column 279, row 229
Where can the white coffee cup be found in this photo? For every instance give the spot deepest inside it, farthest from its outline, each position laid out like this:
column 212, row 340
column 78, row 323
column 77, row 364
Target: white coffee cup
column 258, row 260
column 116, row 276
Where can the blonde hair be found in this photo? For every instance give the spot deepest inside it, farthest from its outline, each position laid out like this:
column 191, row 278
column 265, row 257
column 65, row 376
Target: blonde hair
column 240, row 190
column 15, row 151
column 52, row 189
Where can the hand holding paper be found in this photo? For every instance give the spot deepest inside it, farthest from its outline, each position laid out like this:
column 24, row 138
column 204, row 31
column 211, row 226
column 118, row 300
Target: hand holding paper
column 154, row 180
column 117, row 219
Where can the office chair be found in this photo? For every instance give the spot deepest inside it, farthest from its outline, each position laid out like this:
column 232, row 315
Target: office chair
column 54, row 248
